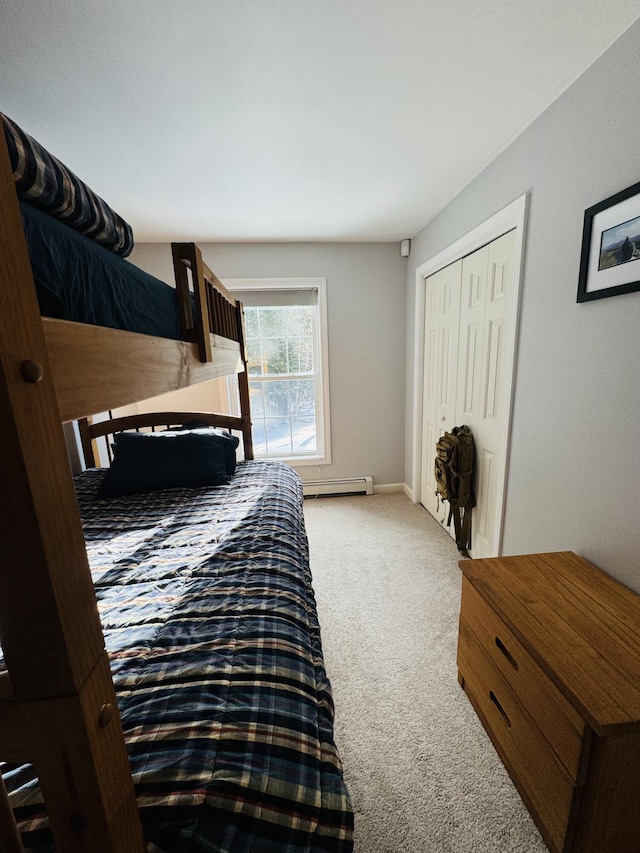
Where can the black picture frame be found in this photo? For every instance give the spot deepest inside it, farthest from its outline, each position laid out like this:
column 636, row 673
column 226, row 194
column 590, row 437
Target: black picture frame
column 609, row 247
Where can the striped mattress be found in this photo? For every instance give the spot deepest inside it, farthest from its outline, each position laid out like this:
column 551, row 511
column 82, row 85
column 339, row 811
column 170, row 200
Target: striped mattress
column 211, row 627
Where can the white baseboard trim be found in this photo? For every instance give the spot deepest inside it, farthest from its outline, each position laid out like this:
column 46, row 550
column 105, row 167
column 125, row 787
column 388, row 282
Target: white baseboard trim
column 388, row 488
column 409, row 493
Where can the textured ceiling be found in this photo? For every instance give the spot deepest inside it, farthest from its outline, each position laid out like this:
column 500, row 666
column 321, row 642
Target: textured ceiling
column 287, row 120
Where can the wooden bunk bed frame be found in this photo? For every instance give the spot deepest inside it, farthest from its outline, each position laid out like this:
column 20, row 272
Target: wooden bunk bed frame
column 90, row 431
column 58, row 708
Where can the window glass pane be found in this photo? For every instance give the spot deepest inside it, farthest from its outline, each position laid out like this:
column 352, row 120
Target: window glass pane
column 278, row 435
column 283, row 416
column 272, row 324
column 259, row 434
column 251, row 322
column 276, row 398
column 299, row 322
column 302, row 398
column 303, row 434
column 256, row 399
column 274, row 356
column 254, row 356
column 300, row 355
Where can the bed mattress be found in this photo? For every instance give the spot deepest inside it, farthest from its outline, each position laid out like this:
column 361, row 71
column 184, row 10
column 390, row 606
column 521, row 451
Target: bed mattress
column 77, row 279
column 211, row 627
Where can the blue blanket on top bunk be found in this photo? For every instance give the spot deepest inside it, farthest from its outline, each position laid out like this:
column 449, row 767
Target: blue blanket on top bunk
column 77, row 243
column 210, row 623
column 77, row 279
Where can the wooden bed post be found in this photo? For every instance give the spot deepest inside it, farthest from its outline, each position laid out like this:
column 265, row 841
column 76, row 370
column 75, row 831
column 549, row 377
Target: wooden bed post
column 243, row 387
column 187, row 256
column 88, row 444
column 225, row 317
column 59, row 710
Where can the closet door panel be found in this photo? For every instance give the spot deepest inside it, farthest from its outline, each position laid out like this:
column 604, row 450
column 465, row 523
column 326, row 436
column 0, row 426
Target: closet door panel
column 430, row 390
column 442, row 310
column 491, row 431
column 429, row 420
column 472, row 310
column 449, row 330
column 483, row 513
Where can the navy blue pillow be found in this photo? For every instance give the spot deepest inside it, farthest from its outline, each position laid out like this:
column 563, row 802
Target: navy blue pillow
column 150, row 461
column 229, row 443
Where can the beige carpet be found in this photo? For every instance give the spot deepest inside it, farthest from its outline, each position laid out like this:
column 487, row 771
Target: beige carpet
column 422, row 773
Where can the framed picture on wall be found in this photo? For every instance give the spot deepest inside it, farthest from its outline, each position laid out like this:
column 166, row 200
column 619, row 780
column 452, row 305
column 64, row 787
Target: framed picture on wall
column 610, row 260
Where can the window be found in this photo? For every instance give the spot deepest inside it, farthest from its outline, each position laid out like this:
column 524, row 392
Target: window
column 286, row 336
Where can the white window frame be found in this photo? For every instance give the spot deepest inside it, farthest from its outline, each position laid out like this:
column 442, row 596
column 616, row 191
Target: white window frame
column 321, row 358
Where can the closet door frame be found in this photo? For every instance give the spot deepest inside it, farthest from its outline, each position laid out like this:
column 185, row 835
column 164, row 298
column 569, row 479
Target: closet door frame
column 513, row 216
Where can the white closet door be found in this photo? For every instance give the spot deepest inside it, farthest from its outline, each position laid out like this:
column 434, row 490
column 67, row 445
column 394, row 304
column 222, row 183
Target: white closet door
column 466, row 361
column 491, row 430
column 440, row 370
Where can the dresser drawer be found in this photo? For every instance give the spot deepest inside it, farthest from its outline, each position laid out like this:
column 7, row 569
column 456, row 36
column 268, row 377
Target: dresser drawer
column 535, row 768
column 554, row 715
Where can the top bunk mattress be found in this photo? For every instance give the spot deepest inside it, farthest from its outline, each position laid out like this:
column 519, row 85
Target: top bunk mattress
column 77, row 279
column 211, row 628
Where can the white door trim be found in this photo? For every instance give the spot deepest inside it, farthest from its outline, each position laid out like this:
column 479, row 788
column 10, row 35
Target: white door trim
column 512, row 216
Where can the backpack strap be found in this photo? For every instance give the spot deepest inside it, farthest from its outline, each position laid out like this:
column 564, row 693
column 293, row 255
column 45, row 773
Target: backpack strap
column 462, row 526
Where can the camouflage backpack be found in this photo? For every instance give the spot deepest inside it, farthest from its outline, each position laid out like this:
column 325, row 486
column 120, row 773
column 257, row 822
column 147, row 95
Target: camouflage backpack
column 454, row 466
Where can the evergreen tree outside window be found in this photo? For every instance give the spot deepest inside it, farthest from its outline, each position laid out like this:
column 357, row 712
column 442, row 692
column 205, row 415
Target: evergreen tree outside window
column 285, row 327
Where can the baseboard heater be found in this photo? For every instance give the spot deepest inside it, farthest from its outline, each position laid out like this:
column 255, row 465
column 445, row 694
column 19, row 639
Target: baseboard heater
column 345, row 486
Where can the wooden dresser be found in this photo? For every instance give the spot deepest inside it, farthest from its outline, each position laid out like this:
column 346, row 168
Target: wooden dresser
column 549, row 655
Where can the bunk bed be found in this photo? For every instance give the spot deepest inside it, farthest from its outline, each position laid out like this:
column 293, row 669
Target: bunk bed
column 236, row 749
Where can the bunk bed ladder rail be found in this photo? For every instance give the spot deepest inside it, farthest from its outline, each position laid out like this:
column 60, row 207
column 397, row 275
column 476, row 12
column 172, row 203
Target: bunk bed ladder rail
column 213, row 310
column 194, row 315
column 243, row 387
column 217, row 313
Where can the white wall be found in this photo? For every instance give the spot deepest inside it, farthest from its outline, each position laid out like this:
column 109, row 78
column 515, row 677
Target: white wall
column 574, row 479
column 367, row 345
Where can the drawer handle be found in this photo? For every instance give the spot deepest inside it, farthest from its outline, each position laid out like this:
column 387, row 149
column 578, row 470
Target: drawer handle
column 502, row 711
column 505, row 651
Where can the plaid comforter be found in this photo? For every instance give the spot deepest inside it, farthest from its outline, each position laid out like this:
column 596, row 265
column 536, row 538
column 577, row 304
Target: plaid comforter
column 42, row 180
column 210, row 623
